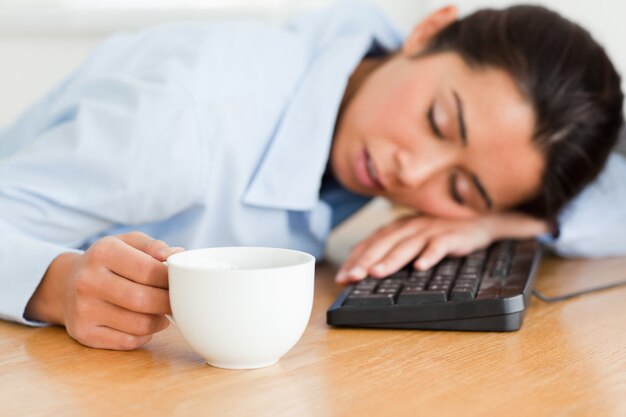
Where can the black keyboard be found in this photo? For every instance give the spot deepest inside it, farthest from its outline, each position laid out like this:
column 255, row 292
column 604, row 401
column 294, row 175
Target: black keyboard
column 488, row 290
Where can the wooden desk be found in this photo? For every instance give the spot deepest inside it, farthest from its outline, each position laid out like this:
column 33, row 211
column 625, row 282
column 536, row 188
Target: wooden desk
column 568, row 359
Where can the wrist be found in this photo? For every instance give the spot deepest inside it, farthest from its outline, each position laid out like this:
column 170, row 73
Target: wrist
column 513, row 225
column 48, row 301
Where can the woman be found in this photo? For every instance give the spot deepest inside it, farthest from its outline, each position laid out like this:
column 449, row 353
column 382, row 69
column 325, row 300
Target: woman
column 571, row 131
column 239, row 134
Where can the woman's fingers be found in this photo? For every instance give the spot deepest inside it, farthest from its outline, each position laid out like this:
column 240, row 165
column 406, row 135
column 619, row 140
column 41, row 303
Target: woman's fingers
column 131, row 322
column 131, row 295
column 102, row 337
column 435, row 250
column 117, row 293
column 107, row 326
column 456, row 242
column 427, row 239
column 157, row 249
column 134, row 264
column 398, row 256
column 369, row 252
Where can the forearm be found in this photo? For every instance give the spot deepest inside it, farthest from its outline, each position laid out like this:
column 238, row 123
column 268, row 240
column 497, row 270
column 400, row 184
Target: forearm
column 426, row 240
column 511, row 225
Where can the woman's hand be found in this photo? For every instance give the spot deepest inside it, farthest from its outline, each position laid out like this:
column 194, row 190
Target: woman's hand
column 430, row 239
column 113, row 296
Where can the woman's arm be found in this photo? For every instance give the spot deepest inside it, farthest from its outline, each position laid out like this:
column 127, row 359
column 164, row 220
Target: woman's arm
column 113, row 296
column 430, row 239
column 593, row 225
column 106, row 149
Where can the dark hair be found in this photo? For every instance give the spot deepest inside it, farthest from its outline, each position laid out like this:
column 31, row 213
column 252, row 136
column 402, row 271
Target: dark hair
column 566, row 75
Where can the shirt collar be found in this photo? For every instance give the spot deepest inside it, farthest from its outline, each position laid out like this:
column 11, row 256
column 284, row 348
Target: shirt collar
column 290, row 173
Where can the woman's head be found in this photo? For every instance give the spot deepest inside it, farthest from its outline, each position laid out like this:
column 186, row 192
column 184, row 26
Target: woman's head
column 503, row 109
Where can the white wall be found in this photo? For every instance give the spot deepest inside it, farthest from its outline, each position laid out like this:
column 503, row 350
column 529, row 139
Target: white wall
column 40, row 47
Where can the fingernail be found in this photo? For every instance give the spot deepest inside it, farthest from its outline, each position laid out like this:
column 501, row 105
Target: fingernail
column 423, row 264
column 165, row 252
column 357, row 272
column 379, row 269
column 341, row 276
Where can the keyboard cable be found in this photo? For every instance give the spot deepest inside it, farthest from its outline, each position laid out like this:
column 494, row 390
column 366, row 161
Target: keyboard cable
column 547, row 299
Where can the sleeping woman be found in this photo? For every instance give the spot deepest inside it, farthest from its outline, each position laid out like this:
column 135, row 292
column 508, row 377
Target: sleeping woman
column 237, row 133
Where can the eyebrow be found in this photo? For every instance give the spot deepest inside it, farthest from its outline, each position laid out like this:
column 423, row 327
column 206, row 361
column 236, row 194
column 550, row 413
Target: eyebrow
column 460, row 117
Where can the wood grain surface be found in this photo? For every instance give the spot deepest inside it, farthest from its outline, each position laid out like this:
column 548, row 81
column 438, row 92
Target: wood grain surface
column 569, row 359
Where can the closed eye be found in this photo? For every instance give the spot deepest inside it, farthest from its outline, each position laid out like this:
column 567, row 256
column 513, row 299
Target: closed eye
column 454, row 191
column 431, row 121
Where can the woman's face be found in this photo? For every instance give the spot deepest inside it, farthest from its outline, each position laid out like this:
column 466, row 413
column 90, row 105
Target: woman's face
column 438, row 136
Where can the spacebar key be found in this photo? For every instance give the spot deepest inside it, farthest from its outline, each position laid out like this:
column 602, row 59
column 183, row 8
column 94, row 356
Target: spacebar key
column 422, row 297
column 369, row 300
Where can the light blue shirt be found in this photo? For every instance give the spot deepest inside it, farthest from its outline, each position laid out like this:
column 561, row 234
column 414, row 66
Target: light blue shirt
column 199, row 134
column 594, row 223
column 204, row 134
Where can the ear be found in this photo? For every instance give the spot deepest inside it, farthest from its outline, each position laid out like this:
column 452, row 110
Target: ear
column 427, row 28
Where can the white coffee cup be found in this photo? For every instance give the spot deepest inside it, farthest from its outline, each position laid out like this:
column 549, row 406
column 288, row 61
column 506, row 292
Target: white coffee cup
column 241, row 307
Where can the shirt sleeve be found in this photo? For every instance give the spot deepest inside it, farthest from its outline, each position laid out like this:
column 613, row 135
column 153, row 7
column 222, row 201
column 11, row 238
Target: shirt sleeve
column 35, row 257
column 111, row 148
column 594, row 224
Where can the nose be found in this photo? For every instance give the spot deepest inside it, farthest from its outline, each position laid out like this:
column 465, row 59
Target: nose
column 416, row 167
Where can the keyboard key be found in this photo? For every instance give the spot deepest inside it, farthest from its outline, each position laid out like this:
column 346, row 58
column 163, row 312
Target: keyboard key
column 466, row 280
column 499, row 270
column 390, row 283
column 400, row 275
column 511, row 290
column 422, row 297
column 471, row 270
column 440, row 277
column 488, row 294
column 361, row 292
column 411, row 287
column 367, row 284
column 462, row 294
column 500, row 259
column 421, row 274
column 514, row 285
column 421, row 282
column 388, row 290
column 470, row 275
column 369, row 300
column 448, row 267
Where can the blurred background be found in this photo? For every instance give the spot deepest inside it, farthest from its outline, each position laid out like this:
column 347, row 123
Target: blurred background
column 41, row 41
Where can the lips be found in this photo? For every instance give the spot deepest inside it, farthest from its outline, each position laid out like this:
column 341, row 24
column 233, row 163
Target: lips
column 371, row 169
column 366, row 172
